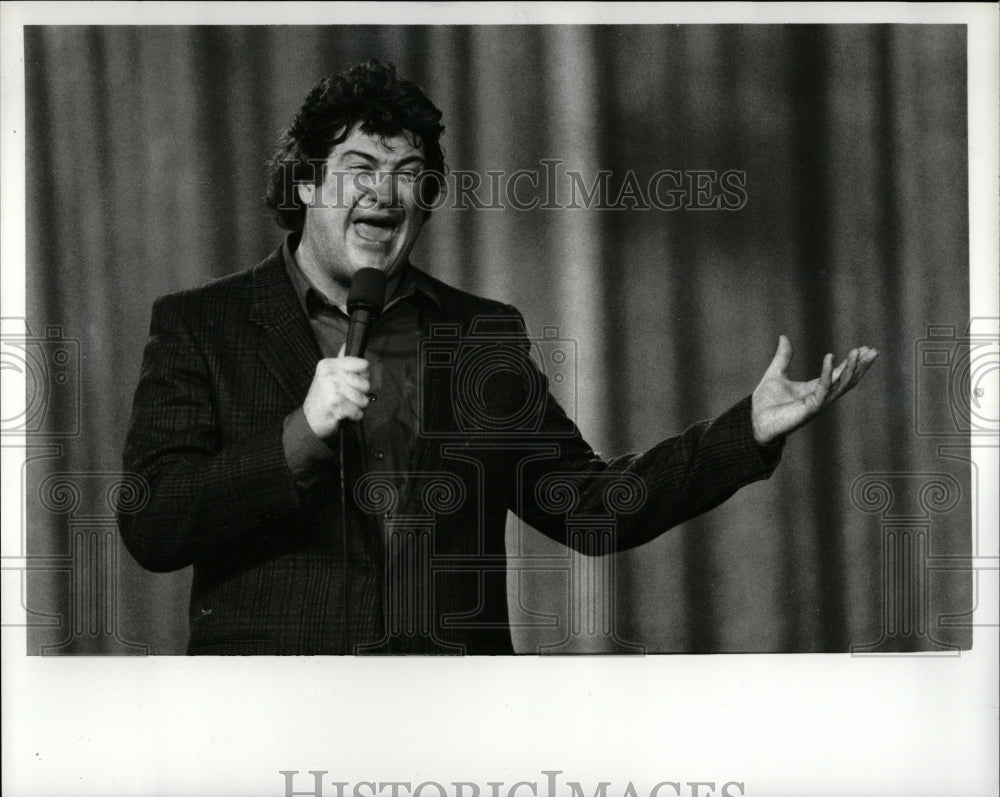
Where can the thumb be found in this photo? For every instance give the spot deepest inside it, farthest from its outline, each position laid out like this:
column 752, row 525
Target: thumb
column 782, row 357
column 343, row 348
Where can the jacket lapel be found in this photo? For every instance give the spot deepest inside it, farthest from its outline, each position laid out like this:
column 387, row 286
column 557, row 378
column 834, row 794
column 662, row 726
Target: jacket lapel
column 289, row 349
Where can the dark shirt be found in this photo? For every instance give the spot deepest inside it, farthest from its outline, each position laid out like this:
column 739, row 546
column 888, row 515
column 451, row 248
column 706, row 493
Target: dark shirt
column 384, row 440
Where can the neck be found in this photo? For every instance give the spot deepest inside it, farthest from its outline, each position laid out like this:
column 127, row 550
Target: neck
column 332, row 290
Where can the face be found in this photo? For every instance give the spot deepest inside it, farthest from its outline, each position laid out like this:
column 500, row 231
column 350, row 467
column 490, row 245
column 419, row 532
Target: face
column 365, row 214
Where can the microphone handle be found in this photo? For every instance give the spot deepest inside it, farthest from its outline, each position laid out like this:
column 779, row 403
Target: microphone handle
column 357, row 332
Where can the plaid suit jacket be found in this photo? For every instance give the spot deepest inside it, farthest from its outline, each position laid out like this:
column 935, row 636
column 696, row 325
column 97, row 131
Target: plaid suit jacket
column 224, row 365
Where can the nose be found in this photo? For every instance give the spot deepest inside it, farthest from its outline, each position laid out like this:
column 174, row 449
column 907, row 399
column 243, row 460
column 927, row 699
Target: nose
column 384, row 189
column 390, row 190
column 380, row 189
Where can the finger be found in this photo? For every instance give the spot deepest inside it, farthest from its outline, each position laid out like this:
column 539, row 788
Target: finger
column 342, row 357
column 356, row 397
column 840, row 368
column 867, row 353
column 825, row 380
column 843, row 380
column 345, row 364
column 353, row 413
column 782, row 357
column 358, row 382
column 866, row 356
column 864, row 364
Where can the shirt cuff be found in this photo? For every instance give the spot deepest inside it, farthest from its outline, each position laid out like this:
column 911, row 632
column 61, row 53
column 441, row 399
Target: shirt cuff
column 305, row 453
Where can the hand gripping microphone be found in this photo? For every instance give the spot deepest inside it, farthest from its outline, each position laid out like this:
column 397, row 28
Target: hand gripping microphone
column 364, row 304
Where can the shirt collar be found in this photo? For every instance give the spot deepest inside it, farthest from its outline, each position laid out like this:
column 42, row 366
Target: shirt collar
column 411, row 282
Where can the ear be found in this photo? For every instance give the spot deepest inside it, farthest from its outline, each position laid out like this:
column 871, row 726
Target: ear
column 307, row 193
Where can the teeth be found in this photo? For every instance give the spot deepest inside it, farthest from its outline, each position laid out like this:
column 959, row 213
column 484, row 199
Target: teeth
column 373, row 232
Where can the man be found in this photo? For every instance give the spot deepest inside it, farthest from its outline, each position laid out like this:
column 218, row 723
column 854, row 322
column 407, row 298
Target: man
column 335, row 504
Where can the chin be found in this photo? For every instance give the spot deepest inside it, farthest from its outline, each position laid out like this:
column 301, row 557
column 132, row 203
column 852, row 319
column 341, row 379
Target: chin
column 371, row 260
column 386, row 265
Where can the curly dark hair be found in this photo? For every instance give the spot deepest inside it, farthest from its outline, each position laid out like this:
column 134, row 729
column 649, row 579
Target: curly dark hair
column 368, row 94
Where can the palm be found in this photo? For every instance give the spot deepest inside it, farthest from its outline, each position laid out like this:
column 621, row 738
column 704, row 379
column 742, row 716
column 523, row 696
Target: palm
column 781, row 406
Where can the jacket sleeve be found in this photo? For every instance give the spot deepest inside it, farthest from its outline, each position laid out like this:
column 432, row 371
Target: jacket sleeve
column 200, row 496
column 637, row 496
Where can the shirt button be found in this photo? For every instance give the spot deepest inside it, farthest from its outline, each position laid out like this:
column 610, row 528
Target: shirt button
column 379, row 455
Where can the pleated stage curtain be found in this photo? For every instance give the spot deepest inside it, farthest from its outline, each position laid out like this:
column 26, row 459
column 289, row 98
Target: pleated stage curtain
column 146, row 150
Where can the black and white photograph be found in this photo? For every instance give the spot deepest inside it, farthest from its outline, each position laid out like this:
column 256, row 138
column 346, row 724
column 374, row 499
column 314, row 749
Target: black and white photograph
column 424, row 381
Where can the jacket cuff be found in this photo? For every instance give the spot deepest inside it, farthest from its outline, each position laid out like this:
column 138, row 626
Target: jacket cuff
column 762, row 458
column 305, row 453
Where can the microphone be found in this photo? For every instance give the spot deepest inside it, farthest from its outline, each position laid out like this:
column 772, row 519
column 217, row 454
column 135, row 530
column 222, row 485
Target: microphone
column 364, row 304
column 365, row 299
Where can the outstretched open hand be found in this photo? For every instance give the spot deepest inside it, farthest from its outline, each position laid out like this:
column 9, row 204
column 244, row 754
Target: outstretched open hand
column 780, row 406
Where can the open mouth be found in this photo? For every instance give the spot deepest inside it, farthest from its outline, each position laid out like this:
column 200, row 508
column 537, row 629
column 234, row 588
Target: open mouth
column 377, row 229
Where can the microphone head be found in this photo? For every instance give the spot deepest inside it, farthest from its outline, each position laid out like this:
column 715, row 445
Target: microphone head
column 367, row 291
